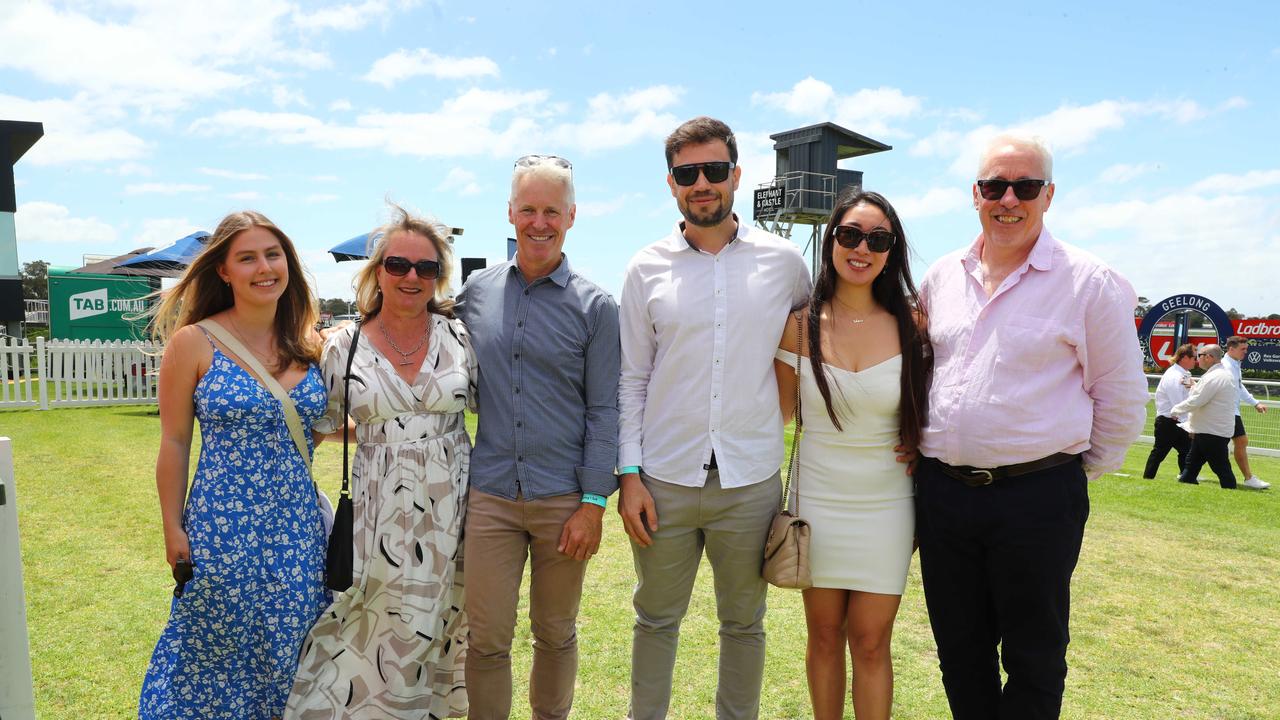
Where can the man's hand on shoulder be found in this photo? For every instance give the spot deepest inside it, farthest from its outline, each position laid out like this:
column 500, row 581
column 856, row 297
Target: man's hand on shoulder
column 580, row 538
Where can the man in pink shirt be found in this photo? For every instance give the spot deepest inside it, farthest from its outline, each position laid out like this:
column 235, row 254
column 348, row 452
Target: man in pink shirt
column 1037, row 387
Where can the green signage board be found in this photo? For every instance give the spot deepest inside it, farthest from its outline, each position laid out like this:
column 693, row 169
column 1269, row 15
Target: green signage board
column 98, row 307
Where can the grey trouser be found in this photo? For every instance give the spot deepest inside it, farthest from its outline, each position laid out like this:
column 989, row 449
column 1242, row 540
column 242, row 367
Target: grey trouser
column 731, row 524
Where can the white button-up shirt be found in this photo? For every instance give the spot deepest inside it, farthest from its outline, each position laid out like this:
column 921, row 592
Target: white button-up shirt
column 1173, row 388
column 698, row 336
column 1212, row 403
column 1242, row 395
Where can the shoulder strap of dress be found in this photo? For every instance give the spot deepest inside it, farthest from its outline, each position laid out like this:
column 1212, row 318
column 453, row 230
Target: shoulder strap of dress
column 290, row 411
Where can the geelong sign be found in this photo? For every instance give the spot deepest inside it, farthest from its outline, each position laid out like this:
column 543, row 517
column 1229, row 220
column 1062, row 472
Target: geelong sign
column 1264, row 351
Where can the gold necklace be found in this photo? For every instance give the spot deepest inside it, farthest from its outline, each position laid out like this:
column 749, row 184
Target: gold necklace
column 855, row 319
column 235, row 328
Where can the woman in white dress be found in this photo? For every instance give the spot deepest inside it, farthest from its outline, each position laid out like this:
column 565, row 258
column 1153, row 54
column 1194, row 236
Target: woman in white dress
column 392, row 646
column 862, row 390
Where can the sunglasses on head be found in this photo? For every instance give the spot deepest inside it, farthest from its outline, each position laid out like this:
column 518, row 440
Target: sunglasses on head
column 534, row 160
column 716, row 172
column 1026, row 189
column 399, row 267
column 851, row 237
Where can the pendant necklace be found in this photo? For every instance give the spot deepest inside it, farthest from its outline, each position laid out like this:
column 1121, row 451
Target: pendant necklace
column 235, row 328
column 404, row 356
column 855, row 319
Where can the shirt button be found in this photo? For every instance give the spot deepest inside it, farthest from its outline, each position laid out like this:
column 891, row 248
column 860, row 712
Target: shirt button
column 519, row 458
column 526, row 292
column 517, row 391
column 520, row 324
column 519, row 424
column 517, row 356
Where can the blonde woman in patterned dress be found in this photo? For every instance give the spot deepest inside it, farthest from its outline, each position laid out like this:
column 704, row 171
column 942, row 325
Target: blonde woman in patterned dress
column 392, row 646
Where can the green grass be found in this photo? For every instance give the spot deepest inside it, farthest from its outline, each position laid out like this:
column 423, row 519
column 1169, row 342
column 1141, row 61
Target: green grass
column 1176, row 601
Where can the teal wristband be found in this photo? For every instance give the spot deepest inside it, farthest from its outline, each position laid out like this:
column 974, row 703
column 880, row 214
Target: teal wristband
column 629, row 469
column 595, row 499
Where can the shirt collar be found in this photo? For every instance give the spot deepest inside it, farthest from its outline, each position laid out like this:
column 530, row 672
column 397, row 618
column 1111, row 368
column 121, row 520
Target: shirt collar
column 678, row 242
column 559, row 276
column 1040, row 258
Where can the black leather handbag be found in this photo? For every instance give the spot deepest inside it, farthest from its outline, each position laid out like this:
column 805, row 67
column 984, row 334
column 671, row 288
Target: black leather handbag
column 338, row 561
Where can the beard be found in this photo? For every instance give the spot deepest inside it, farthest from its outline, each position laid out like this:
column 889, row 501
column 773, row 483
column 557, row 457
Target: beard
column 709, row 217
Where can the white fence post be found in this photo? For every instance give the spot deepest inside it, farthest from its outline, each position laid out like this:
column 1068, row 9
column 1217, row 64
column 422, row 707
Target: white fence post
column 17, row 701
column 43, row 364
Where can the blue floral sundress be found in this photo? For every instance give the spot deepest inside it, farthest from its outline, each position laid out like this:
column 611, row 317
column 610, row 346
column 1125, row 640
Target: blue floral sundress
column 230, row 649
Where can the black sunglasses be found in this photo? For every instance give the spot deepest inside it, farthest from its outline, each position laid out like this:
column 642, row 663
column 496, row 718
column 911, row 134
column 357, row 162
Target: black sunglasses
column 398, row 266
column 1027, row 189
column 716, row 172
column 851, row 237
column 535, row 160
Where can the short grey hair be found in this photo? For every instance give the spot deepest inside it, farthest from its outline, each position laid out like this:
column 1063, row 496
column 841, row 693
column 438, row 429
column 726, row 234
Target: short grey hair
column 546, row 169
column 1214, row 350
column 1034, row 143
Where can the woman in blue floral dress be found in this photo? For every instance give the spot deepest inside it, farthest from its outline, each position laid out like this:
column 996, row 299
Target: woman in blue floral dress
column 251, row 528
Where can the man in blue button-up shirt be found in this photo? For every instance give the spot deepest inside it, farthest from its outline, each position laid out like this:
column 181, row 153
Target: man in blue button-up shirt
column 547, row 343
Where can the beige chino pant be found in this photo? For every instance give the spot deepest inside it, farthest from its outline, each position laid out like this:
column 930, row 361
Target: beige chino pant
column 500, row 534
column 731, row 525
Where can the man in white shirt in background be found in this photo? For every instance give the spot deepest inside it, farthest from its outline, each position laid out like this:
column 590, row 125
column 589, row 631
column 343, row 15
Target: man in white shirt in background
column 1213, row 407
column 1173, row 388
column 1237, row 347
column 700, row 431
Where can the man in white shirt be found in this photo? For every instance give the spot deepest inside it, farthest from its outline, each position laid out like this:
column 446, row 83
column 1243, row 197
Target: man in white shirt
column 1173, row 388
column 1212, row 404
column 1237, row 347
column 700, row 431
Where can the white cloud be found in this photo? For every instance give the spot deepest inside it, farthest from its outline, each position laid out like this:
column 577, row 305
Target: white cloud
column 40, row 222
column 1124, row 172
column 163, row 188
column 344, row 17
column 869, row 111
column 231, row 174
column 340, row 105
column 460, row 181
column 758, row 161
column 75, row 131
column 283, row 97
column 1224, row 183
column 325, row 178
column 246, row 196
column 615, row 121
column 936, row 201
column 404, row 64
column 132, row 168
column 156, row 232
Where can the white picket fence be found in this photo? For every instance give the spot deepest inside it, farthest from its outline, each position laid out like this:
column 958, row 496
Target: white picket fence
column 65, row 373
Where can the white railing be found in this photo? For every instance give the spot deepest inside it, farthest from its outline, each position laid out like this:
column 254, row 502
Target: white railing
column 37, row 312
column 1263, row 428
column 63, row 373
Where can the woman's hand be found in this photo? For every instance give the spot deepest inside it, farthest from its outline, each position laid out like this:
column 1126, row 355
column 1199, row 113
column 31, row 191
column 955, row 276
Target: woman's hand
column 176, row 547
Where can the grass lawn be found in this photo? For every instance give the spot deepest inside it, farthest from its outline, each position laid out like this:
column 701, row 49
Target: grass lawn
column 1176, row 602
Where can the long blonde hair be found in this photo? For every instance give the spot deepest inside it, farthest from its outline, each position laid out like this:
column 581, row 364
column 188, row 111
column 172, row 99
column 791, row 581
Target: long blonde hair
column 369, row 299
column 201, row 292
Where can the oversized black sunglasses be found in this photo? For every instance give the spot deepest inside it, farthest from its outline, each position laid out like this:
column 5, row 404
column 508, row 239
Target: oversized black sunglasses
column 851, row 237
column 398, row 266
column 716, row 172
column 1026, row 189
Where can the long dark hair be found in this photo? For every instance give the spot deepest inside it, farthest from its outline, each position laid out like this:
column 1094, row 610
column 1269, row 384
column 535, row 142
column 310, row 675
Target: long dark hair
column 894, row 291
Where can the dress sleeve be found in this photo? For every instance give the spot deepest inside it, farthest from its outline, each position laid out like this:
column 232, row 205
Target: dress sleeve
column 333, row 362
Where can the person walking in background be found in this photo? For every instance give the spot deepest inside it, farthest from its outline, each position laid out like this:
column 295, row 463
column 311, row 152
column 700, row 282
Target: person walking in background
column 1237, row 348
column 1173, row 388
column 700, row 438
column 392, row 646
column 547, row 343
column 865, row 389
column 1037, row 388
column 1212, row 405
column 251, row 529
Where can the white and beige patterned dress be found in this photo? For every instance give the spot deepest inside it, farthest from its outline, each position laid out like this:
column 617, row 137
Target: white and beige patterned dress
column 394, row 644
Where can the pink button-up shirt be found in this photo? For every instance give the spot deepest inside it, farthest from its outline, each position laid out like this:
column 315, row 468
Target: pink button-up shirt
column 1049, row 363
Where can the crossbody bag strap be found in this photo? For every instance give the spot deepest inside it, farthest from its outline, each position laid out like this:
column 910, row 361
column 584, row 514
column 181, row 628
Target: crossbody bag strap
column 346, row 410
column 290, row 410
column 793, row 476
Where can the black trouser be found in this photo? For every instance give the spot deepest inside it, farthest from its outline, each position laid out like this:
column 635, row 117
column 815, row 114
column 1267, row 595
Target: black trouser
column 1168, row 437
column 1211, row 449
column 996, row 562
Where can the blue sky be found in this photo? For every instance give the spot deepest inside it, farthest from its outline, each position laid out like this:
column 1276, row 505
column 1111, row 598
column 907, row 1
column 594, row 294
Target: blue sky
column 161, row 117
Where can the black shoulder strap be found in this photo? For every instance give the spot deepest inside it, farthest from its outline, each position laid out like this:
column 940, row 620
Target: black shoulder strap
column 346, row 410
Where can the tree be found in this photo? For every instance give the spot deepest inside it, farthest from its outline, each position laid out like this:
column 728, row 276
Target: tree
column 1235, row 314
column 1274, row 316
column 35, row 280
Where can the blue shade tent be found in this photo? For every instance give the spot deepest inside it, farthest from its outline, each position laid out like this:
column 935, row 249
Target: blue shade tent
column 357, row 248
column 174, row 257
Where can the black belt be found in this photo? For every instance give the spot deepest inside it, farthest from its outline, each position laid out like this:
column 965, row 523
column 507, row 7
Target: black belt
column 977, row 477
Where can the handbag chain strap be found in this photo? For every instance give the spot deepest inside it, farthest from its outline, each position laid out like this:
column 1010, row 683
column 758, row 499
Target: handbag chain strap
column 346, row 409
column 793, row 475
